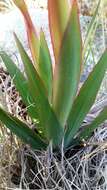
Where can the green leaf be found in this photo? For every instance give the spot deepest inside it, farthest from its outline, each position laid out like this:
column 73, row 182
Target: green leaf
column 91, row 30
column 67, row 70
column 50, row 125
column 45, row 65
column 21, row 84
column 22, row 130
column 87, row 132
column 85, row 99
column 58, row 11
column 33, row 40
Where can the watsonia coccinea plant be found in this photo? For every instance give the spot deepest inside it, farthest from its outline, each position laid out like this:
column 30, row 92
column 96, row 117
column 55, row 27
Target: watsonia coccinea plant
column 50, row 91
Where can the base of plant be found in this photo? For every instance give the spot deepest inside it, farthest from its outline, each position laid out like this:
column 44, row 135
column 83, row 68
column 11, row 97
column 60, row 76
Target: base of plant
column 77, row 169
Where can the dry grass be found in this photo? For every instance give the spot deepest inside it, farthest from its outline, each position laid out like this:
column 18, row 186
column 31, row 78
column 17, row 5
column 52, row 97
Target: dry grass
column 84, row 170
column 7, row 160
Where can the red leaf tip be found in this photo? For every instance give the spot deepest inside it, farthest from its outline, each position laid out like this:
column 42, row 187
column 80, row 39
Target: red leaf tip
column 74, row 4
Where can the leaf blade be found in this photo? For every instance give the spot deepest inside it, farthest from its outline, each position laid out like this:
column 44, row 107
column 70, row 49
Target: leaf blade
column 91, row 29
column 67, row 71
column 86, row 133
column 51, row 127
column 22, row 130
column 45, row 65
column 57, row 22
column 20, row 82
column 85, row 98
column 31, row 31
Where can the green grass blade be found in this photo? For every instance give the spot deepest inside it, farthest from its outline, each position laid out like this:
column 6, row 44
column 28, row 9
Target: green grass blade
column 85, row 98
column 45, row 64
column 92, row 27
column 49, row 123
column 22, row 130
column 21, row 84
column 67, row 70
column 87, row 132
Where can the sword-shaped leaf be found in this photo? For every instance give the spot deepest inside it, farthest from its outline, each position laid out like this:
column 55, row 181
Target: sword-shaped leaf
column 49, row 123
column 22, row 130
column 31, row 31
column 58, row 11
column 67, row 71
column 39, row 48
column 85, row 99
column 87, row 132
column 21, row 84
column 45, row 64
